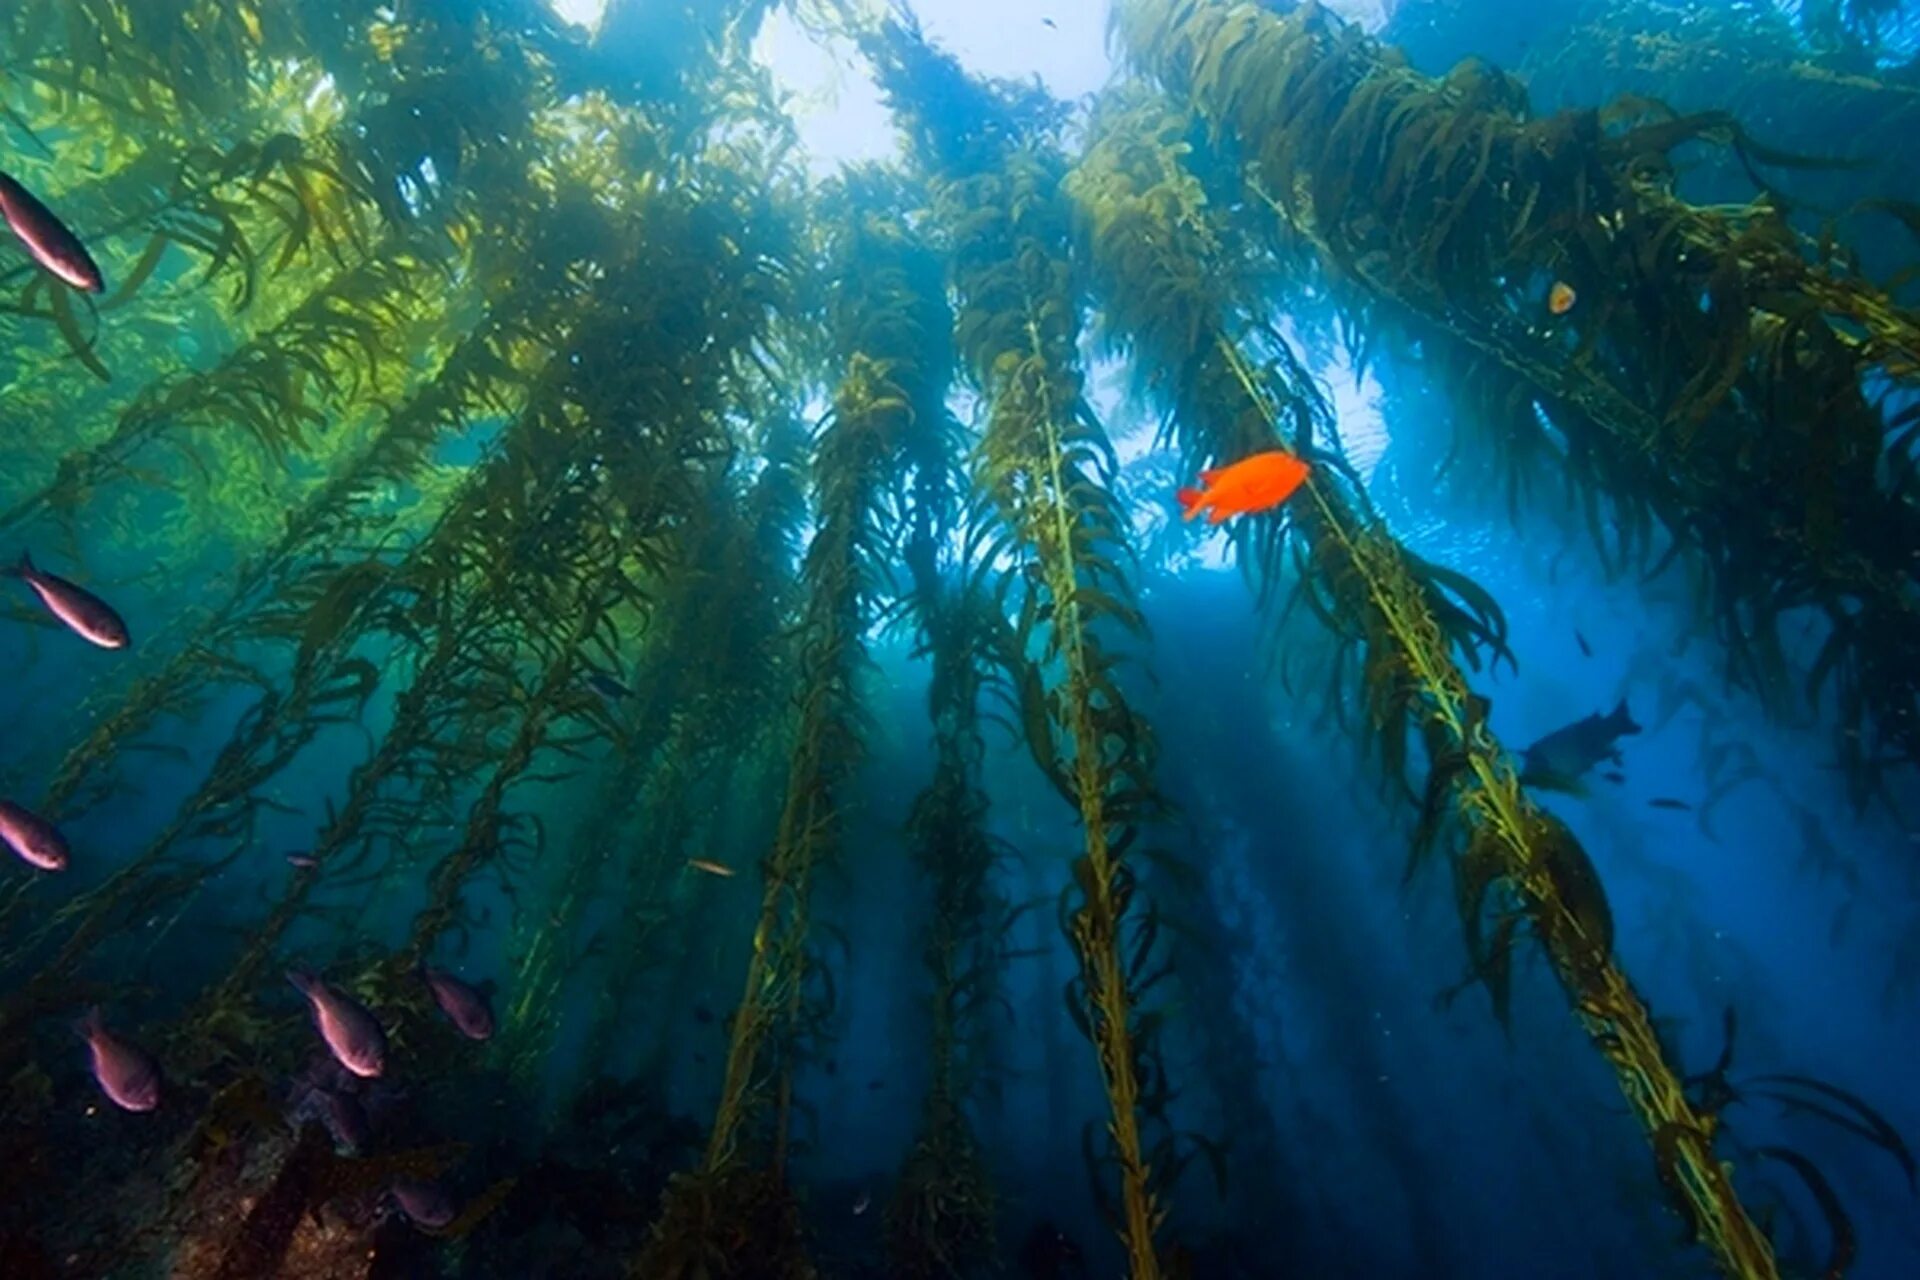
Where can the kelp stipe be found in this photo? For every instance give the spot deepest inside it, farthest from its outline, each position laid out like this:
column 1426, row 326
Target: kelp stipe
column 1708, row 337
column 1176, row 292
column 940, row 1221
column 877, row 321
column 1043, row 467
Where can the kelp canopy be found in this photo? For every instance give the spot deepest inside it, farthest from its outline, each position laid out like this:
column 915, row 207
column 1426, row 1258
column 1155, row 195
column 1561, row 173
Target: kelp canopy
column 575, row 547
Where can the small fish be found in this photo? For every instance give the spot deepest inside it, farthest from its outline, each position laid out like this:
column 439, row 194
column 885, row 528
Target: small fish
column 353, row 1035
column 1586, row 650
column 1560, row 298
column 876, row 1083
column 862, row 1204
column 83, row 613
column 702, row 1014
column 1257, row 483
column 607, row 687
column 338, row 1111
column 47, row 238
column 128, row 1076
column 1561, row 758
column 346, row 1120
column 711, row 867
column 1614, row 776
column 1045, row 22
column 302, row 860
column 36, row 840
column 1668, row 802
column 426, row 1204
column 464, row 1004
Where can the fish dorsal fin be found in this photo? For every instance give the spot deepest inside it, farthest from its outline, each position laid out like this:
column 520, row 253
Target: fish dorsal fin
column 1212, row 474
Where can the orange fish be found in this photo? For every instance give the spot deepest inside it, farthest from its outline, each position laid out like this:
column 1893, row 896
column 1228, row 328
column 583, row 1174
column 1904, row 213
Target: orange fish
column 1561, row 297
column 1258, row 483
column 711, row 867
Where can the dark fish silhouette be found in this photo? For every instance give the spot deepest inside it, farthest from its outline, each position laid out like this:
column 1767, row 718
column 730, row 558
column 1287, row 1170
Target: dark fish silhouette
column 1586, row 649
column 345, row 1119
column 128, row 1076
column 82, row 612
column 1614, row 776
column 1559, row 760
column 607, row 687
column 702, row 1014
column 1668, row 802
column 47, row 238
column 32, row 837
column 426, row 1204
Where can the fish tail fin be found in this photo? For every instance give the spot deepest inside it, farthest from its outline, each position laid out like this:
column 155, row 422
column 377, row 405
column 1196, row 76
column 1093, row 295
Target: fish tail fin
column 1624, row 717
column 1211, row 474
column 88, row 1024
column 303, row 981
column 24, row 569
column 1190, row 502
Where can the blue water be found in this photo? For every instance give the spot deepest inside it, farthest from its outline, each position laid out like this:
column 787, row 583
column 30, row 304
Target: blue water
column 1372, row 1125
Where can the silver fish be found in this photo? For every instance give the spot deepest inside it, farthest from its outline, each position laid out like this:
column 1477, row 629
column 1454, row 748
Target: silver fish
column 426, row 1204
column 464, row 1004
column 353, row 1035
column 32, row 837
column 128, row 1076
column 83, row 613
column 47, row 238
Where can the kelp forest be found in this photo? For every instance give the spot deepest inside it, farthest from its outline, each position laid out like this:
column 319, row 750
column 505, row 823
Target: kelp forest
column 590, row 694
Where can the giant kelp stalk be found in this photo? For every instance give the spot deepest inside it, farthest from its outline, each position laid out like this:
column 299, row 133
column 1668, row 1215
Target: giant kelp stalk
column 462, row 599
column 322, row 607
column 1178, row 296
column 692, row 307
column 328, row 353
column 681, row 312
column 373, row 196
column 328, row 685
column 1044, row 465
column 940, row 1221
column 707, row 689
column 281, row 596
column 479, row 374
column 1682, row 387
column 856, row 450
